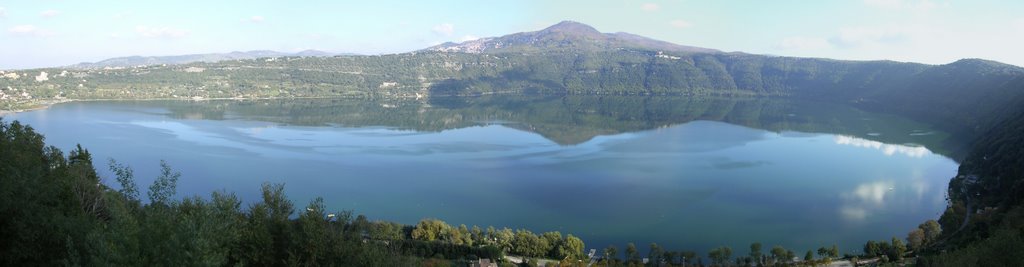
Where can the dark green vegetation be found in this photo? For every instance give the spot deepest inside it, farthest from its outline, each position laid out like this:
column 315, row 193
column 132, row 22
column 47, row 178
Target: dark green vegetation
column 984, row 224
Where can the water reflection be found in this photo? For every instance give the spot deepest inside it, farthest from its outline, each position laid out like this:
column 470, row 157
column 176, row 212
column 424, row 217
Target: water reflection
column 574, row 120
column 887, row 149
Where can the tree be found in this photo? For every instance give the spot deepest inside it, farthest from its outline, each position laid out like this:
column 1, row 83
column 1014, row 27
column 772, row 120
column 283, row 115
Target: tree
column 552, row 244
column 898, row 249
column 655, row 253
column 916, row 238
column 932, row 231
column 611, row 254
column 833, row 252
column 779, row 253
column 755, row 251
column 165, row 185
column 632, row 255
column 721, row 255
column 809, row 256
column 689, row 256
column 871, row 248
column 572, row 247
column 431, row 229
column 528, row 244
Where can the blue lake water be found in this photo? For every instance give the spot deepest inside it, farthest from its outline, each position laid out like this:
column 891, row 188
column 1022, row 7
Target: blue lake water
column 684, row 173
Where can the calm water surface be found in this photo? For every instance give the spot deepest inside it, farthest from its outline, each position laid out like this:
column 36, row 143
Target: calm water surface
column 685, row 173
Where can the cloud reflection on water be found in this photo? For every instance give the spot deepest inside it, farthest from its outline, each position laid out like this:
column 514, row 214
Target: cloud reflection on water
column 888, row 149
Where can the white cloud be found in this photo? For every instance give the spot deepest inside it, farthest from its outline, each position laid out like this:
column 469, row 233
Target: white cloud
column 446, row 29
column 160, row 32
column 3, row 12
column 468, row 38
column 49, row 13
column 650, row 7
column 681, row 24
column 803, row 43
column 902, row 5
column 29, row 30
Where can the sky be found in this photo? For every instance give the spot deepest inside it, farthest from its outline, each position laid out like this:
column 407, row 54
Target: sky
column 46, row 33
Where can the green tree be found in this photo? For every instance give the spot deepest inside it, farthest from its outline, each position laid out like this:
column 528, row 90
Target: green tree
column 431, row 229
column 898, row 249
column 632, row 255
column 572, row 248
column 164, row 186
column 916, row 238
column 655, row 253
column 611, row 254
column 871, row 248
column 552, row 244
column 721, row 255
column 932, row 231
column 689, row 256
column 809, row 256
column 779, row 254
column 755, row 251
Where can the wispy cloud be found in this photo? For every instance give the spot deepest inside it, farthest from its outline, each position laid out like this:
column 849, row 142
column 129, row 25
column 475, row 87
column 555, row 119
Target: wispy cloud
column 3, row 12
column 650, row 7
column 49, row 13
column 29, row 30
column 160, row 32
column 680, row 24
column 446, row 29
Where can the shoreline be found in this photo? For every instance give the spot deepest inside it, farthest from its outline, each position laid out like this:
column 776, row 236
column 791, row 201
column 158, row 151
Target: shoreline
column 50, row 102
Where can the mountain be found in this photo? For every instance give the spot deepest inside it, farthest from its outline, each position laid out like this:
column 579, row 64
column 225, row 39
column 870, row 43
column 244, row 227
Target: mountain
column 185, row 59
column 566, row 35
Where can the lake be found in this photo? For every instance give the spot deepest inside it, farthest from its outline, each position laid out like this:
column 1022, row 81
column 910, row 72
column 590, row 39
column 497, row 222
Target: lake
column 684, row 172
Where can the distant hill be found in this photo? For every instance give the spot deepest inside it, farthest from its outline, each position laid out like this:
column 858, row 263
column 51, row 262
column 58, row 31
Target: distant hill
column 132, row 61
column 566, row 35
